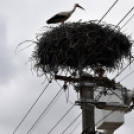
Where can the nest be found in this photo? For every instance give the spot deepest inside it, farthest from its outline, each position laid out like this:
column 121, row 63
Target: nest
column 81, row 45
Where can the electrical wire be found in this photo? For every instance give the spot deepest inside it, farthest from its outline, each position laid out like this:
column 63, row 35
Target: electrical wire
column 112, row 112
column 98, row 96
column 76, row 127
column 126, row 15
column 117, row 95
column 30, row 109
column 71, row 123
column 61, row 119
column 109, row 98
column 107, row 115
column 123, row 69
column 128, row 21
column 108, row 11
column 127, row 76
column 43, row 113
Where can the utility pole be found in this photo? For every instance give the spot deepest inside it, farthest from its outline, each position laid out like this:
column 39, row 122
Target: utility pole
column 85, row 89
column 88, row 123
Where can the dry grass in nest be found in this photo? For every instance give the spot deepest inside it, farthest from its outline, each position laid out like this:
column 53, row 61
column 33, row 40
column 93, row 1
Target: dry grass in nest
column 81, row 45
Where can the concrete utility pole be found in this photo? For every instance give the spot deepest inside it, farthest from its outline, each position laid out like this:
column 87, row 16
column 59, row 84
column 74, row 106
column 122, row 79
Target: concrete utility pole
column 87, row 109
column 85, row 90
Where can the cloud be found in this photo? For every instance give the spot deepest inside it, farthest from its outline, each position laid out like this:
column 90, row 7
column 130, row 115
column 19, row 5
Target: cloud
column 7, row 66
column 19, row 21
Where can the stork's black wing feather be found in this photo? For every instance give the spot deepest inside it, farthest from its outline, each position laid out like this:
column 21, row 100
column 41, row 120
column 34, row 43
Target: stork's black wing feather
column 56, row 18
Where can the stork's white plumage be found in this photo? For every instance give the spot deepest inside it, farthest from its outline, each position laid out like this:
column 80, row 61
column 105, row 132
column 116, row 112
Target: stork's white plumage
column 63, row 16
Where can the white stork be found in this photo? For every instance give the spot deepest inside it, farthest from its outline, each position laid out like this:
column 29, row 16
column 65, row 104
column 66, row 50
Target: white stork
column 63, row 16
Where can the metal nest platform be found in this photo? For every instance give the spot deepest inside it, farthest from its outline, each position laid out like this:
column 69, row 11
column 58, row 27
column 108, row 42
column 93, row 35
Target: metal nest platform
column 81, row 45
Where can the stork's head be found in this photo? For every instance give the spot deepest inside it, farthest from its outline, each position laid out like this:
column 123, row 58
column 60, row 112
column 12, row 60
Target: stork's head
column 77, row 5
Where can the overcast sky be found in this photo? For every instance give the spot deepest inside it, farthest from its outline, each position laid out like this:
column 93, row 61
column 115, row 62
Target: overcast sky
column 20, row 20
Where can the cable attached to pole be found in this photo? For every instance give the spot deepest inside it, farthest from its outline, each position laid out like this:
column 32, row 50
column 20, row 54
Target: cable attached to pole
column 42, row 115
column 28, row 112
column 108, row 11
column 112, row 112
column 125, row 16
column 61, row 119
column 123, row 69
column 128, row 21
column 76, row 127
column 71, row 123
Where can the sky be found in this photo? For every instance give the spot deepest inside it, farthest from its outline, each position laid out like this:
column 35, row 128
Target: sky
column 20, row 87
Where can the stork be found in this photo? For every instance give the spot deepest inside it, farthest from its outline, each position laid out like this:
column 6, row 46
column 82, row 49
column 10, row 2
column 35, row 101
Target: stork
column 62, row 16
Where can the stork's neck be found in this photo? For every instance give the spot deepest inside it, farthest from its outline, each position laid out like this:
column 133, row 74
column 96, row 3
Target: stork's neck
column 73, row 10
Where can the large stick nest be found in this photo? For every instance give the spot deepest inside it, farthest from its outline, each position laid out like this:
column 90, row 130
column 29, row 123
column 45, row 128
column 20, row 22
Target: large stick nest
column 81, row 45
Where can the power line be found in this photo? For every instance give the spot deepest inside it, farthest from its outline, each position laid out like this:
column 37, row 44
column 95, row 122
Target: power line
column 128, row 21
column 42, row 115
column 30, row 109
column 125, row 16
column 71, row 123
column 126, row 76
column 61, row 119
column 45, row 113
column 76, row 127
column 117, row 95
column 112, row 112
column 108, row 11
column 107, row 115
column 123, row 69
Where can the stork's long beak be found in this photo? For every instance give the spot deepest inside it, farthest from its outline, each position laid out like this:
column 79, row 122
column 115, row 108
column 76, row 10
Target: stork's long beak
column 81, row 7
